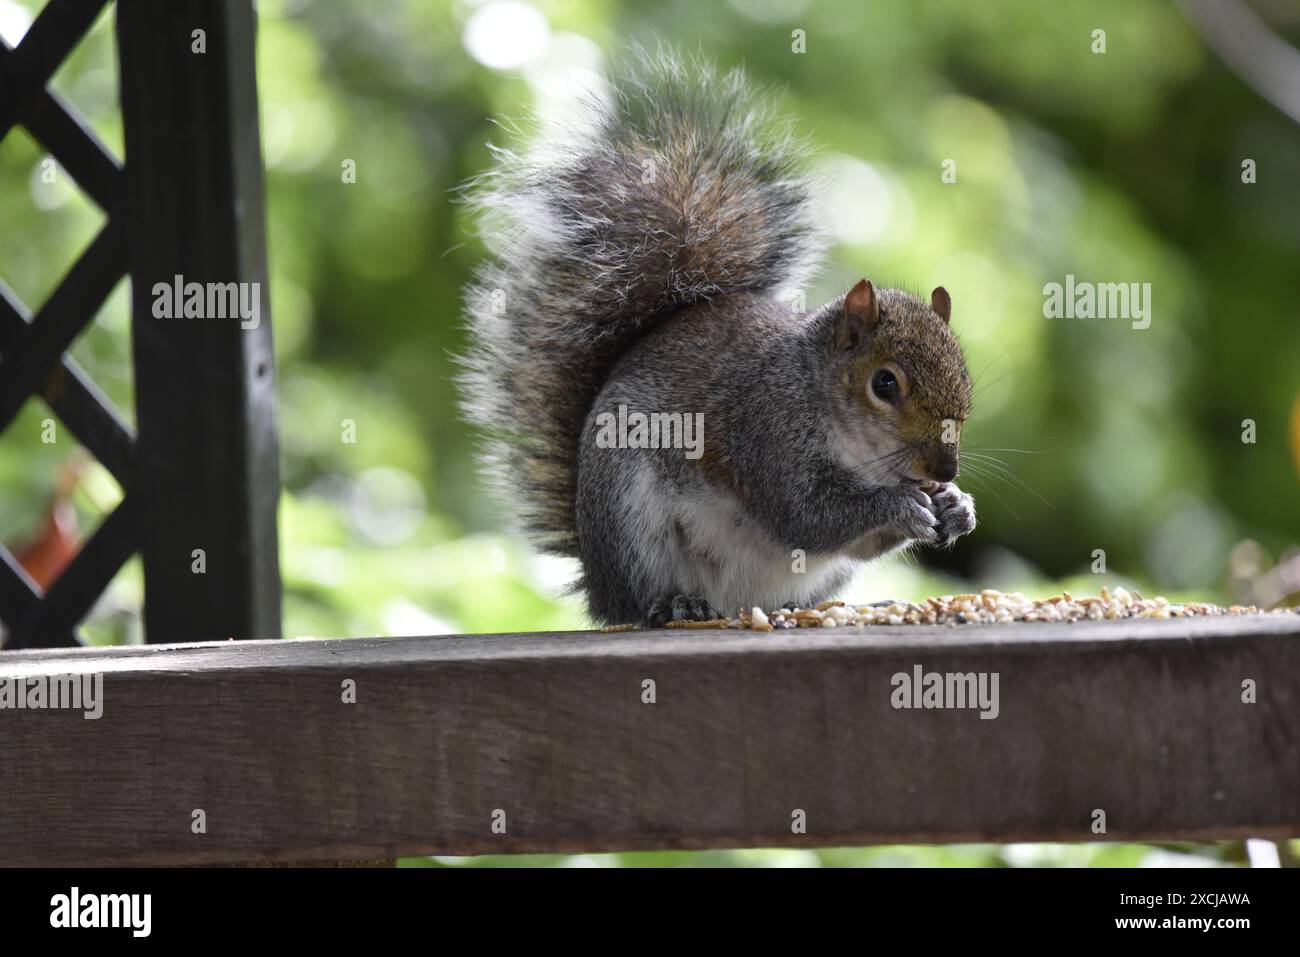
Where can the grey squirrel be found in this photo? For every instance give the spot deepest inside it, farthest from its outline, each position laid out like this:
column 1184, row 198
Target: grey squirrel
column 639, row 267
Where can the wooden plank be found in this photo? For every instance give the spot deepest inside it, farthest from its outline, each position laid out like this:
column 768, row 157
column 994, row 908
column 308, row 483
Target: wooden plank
column 1143, row 720
column 205, row 398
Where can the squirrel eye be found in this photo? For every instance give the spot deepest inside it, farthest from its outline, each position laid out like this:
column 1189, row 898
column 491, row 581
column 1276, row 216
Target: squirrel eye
column 885, row 385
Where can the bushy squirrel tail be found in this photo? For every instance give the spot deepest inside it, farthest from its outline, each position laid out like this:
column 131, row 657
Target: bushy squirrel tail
column 680, row 186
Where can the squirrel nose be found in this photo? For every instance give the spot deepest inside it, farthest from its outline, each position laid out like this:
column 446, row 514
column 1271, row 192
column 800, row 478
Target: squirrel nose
column 943, row 468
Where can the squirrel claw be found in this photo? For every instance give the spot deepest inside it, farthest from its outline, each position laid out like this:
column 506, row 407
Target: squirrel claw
column 915, row 516
column 955, row 511
column 678, row 608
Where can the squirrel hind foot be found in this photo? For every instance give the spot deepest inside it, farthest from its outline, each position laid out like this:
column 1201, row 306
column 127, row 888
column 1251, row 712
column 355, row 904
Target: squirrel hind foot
column 678, row 608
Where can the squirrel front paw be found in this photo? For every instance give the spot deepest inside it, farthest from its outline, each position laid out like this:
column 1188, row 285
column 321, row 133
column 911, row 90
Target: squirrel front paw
column 678, row 608
column 911, row 514
column 955, row 511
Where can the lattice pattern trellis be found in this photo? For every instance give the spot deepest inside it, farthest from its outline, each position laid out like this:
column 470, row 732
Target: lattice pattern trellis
column 188, row 201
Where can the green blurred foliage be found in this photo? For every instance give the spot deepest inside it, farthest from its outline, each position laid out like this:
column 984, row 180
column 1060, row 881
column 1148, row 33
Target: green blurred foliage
column 953, row 855
column 1123, row 166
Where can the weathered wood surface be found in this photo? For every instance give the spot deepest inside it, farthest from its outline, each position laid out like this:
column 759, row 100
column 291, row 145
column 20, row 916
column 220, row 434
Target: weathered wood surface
column 1144, row 720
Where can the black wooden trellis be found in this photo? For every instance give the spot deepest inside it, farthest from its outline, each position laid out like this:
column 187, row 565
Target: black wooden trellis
column 202, row 473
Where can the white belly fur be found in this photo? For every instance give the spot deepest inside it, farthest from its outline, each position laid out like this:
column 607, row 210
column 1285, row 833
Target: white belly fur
column 736, row 564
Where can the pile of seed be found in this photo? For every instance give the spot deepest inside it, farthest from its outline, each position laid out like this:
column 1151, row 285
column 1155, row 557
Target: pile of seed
column 986, row 608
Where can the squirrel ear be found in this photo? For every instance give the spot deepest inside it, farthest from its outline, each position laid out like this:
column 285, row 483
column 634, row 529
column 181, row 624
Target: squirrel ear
column 861, row 314
column 941, row 303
